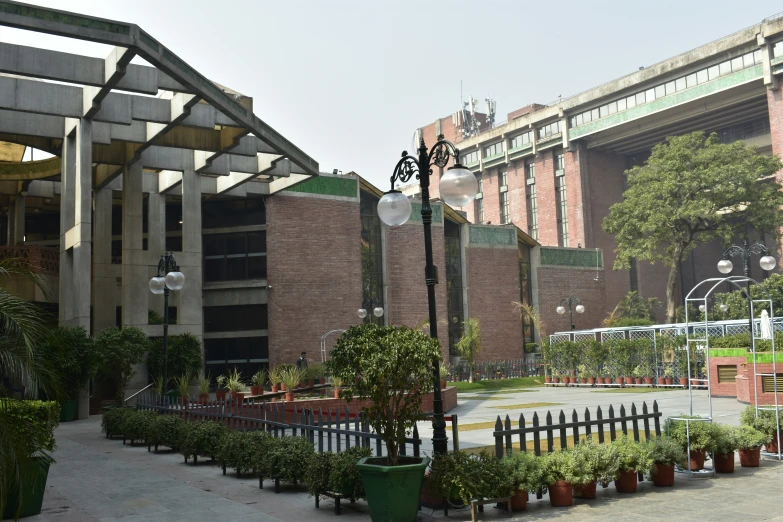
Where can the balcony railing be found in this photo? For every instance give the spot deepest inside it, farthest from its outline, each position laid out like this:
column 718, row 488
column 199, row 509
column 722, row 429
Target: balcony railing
column 45, row 260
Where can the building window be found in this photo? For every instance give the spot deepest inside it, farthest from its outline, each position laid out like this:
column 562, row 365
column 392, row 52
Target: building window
column 235, row 318
column 553, row 129
column 493, row 150
column 522, row 140
column 743, row 131
column 562, row 207
column 234, row 257
column 372, row 255
column 560, row 162
column 470, row 158
column 525, row 291
column 504, row 206
column 227, row 213
column 532, row 203
column 454, row 304
column 247, row 354
column 480, row 201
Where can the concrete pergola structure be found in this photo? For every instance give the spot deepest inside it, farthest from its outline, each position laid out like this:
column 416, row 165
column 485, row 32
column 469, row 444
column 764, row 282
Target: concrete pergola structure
column 115, row 125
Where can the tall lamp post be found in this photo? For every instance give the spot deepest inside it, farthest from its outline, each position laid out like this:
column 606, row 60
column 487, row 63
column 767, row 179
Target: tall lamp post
column 570, row 302
column 458, row 187
column 370, row 303
column 725, row 266
column 169, row 278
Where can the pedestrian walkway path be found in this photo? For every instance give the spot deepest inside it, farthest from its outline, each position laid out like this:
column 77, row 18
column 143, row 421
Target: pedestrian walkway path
column 96, row 479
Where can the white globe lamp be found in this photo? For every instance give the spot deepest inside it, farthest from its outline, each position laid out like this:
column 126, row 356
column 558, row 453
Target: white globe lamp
column 175, row 280
column 157, row 285
column 580, row 309
column 458, row 186
column 767, row 263
column 394, row 208
column 725, row 266
column 560, row 310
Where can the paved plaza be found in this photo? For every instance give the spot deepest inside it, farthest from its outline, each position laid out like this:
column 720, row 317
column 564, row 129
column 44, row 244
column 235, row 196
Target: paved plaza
column 97, row 479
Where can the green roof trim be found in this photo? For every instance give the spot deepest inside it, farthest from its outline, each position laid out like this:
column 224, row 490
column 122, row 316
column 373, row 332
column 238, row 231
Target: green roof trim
column 49, row 15
column 580, row 258
column 437, row 212
column 492, row 236
column 765, row 358
column 328, row 186
column 728, row 352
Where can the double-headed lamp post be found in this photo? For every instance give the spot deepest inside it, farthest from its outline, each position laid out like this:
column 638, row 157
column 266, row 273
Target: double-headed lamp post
column 725, row 266
column 370, row 304
column 570, row 302
column 169, row 278
column 458, row 187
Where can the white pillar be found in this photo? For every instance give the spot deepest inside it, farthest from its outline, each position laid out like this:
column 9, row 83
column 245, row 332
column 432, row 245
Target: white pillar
column 190, row 311
column 156, row 240
column 104, row 282
column 135, row 280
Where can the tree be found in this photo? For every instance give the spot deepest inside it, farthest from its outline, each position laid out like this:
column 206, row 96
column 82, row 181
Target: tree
column 184, row 356
column 633, row 309
column 469, row 344
column 69, row 352
column 692, row 190
column 119, row 350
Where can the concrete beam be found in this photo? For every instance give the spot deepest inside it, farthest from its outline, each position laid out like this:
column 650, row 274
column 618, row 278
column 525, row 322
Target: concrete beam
column 113, row 71
column 270, row 167
column 168, row 179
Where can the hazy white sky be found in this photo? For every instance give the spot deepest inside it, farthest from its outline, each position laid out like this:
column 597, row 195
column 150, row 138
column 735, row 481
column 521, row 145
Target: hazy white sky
column 350, row 81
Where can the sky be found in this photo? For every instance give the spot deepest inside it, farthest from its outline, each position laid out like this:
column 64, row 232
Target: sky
column 349, row 82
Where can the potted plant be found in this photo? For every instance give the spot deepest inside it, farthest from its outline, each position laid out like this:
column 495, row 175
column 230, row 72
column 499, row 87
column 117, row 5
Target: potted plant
column 238, row 449
column 471, row 476
column 336, row 473
column 749, row 442
column 702, row 439
column 444, row 372
column 638, row 373
column 30, row 431
column 290, row 377
column 166, row 430
column 236, row 386
column 119, row 351
column 202, row 438
column 182, row 384
column 668, row 373
column 525, row 471
column 585, row 472
column 257, row 383
column 317, row 372
column 725, row 446
column 665, row 453
column 582, row 372
column 682, row 366
column 632, row 458
column 766, row 422
column 336, row 384
column 388, row 365
column 274, row 378
column 222, row 388
column 285, row 458
column 555, row 376
column 203, row 389
column 557, row 474
column 284, row 368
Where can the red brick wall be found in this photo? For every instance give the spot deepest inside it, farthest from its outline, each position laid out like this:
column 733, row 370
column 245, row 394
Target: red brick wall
column 517, row 197
column 724, row 389
column 407, row 293
column 314, row 270
column 491, row 186
column 556, row 283
column 775, row 108
column 574, row 198
column 493, row 282
column 745, row 390
column 545, row 191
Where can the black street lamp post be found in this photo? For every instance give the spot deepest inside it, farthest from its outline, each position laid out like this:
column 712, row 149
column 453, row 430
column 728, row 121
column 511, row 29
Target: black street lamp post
column 457, row 188
column 169, row 278
column 370, row 304
column 572, row 303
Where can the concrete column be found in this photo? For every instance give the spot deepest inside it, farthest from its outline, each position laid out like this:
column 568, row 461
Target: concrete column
column 189, row 300
column 156, row 239
column 10, row 224
column 82, row 230
column 19, row 212
column 135, row 279
column 104, row 282
column 68, row 179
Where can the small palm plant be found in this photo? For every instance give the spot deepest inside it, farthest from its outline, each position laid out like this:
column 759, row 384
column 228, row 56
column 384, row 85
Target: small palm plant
column 469, row 344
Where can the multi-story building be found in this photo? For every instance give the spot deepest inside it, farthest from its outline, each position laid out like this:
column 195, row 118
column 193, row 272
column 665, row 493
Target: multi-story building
column 555, row 170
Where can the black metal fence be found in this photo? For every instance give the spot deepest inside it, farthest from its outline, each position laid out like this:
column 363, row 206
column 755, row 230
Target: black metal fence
column 488, row 370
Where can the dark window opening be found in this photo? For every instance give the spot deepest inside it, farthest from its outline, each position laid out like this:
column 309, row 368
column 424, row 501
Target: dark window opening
column 228, row 213
column 235, row 318
column 372, row 256
column 454, row 288
column 247, row 354
column 234, row 257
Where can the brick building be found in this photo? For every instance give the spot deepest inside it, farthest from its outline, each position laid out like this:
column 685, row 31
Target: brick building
column 555, row 170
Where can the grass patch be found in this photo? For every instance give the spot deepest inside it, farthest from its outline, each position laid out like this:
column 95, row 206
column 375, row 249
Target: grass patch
column 635, row 390
column 480, row 398
column 556, row 441
column 503, row 392
column 477, row 426
column 498, row 384
column 526, row 405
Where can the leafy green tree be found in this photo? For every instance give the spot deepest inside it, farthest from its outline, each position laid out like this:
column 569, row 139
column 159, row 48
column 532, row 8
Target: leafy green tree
column 469, row 345
column 737, row 302
column 692, row 190
column 69, row 352
column 633, row 308
column 118, row 351
column 184, row 356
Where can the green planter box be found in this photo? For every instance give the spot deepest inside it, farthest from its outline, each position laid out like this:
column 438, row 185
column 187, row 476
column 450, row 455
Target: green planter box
column 393, row 492
column 32, row 496
column 69, row 410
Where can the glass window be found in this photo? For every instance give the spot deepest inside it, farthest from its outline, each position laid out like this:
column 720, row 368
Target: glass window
column 503, row 177
column 660, row 91
column 621, row 106
column 372, row 254
column 612, row 107
column 559, row 162
column 640, row 98
column 748, row 60
column 679, row 84
column 479, row 202
column 562, row 211
column 493, row 150
column 454, row 287
column 594, row 114
column 532, row 205
column 469, row 158
column 504, row 208
column 690, row 80
column 649, row 95
column 724, row 68
column 229, row 213
column 235, row 318
column 630, row 101
column 603, row 111
column 736, row 64
column 702, row 76
column 247, row 354
column 234, row 257
column 713, row 72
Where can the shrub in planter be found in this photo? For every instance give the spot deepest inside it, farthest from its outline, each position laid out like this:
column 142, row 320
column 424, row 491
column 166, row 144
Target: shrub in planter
column 257, row 382
column 632, row 458
column 290, row 378
column 557, row 475
column 525, row 471
column 118, row 351
column 602, row 462
column 344, row 477
column 749, row 442
column 113, row 419
column 26, row 440
column 471, row 476
column 725, row 446
column 135, row 425
column 202, row 438
column 183, row 355
column 584, row 479
column 286, row 458
column 203, row 388
column 702, row 439
column 388, row 366
column 665, row 454
column 238, row 450
column 765, row 422
column 166, row 430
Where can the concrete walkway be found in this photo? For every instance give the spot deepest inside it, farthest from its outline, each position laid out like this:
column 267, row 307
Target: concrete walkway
column 96, row 479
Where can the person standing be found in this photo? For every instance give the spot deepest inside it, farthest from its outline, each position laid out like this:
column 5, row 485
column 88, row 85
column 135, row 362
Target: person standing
column 301, row 362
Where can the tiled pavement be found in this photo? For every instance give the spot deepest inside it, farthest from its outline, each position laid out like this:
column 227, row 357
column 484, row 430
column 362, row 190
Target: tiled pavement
column 96, row 479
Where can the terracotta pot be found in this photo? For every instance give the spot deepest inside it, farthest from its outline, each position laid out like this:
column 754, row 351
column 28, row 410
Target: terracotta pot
column 668, row 381
column 664, row 475
column 275, row 388
column 302, row 384
column 519, row 500
column 557, row 380
column 256, row 390
column 239, row 397
column 696, row 461
column 583, row 380
column 183, row 401
column 637, row 380
column 221, row 394
column 442, row 384
column 626, row 482
column 203, row 398
column 684, row 382
column 336, row 394
column 566, row 380
column 724, row 462
column 289, row 396
column 585, row 491
column 282, row 386
column 601, row 380
column 561, row 494
column 648, row 381
column 591, row 381
column 548, row 380
column 749, row 458
column 772, row 446
column 311, row 383
column 618, row 380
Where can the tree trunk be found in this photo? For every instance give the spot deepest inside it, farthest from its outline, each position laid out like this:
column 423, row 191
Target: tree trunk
column 671, row 285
